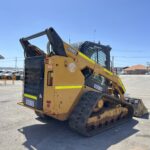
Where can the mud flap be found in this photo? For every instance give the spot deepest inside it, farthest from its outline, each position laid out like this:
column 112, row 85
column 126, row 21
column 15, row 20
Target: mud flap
column 138, row 105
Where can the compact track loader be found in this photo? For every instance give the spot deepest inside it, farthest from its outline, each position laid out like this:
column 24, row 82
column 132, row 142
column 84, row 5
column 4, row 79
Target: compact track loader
column 75, row 85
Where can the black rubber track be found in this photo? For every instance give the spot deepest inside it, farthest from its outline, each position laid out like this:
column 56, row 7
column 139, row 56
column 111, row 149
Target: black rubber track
column 84, row 109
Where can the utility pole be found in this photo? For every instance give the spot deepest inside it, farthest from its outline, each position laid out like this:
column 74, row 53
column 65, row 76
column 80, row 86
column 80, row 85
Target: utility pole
column 113, row 62
column 94, row 32
column 2, row 57
column 16, row 63
column 69, row 40
column 148, row 66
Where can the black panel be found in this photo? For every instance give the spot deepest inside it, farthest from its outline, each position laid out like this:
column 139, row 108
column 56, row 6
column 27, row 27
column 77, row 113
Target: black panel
column 34, row 79
column 96, row 81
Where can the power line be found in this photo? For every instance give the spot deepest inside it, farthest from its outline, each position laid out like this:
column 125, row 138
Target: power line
column 132, row 57
column 132, row 51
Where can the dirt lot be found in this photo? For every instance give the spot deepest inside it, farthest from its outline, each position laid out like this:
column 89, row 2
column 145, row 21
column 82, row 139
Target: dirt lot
column 20, row 128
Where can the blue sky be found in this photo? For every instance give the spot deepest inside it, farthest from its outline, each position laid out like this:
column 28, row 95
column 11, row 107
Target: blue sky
column 122, row 24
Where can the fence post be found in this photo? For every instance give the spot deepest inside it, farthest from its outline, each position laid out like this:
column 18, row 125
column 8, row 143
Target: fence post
column 5, row 79
column 13, row 79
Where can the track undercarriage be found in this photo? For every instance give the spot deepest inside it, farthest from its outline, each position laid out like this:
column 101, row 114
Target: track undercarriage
column 97, row 112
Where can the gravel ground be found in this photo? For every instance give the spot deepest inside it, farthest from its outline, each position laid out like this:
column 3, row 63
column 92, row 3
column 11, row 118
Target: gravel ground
column 20, row 128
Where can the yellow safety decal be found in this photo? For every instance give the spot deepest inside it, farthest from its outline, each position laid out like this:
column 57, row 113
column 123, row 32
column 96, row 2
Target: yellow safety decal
column 87, row 58
column 68, row 87
column 110, row 73
column 121, row 84
column 30, row 96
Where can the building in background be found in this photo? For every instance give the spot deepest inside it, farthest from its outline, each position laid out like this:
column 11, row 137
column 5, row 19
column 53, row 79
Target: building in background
column 119, row 70
column 136, row 69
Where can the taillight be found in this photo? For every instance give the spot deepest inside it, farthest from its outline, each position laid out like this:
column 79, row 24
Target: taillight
column 46, row 61
column 49, row 78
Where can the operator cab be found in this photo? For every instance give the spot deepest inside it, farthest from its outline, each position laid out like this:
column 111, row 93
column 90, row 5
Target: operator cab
column 101, row 55
column 97, row 52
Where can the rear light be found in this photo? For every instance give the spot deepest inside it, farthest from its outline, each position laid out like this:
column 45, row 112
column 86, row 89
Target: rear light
column 46, row 61
column 49, row 78
column 48, row 103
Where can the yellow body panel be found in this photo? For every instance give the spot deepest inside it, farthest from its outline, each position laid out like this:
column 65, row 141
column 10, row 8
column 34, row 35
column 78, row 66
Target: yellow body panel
column 68, row 81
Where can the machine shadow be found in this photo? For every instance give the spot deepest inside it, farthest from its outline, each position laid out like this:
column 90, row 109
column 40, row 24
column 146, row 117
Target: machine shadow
column 146, row 116
column 56, row 135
